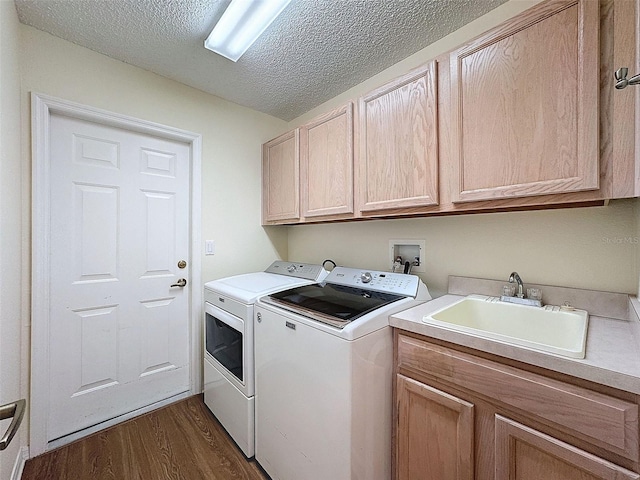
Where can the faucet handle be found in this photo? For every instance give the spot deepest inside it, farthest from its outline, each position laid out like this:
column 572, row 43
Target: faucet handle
column 509, row 290
column 534, row 293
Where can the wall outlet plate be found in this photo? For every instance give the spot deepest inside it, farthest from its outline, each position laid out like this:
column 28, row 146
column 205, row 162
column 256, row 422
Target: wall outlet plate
column 408, row 249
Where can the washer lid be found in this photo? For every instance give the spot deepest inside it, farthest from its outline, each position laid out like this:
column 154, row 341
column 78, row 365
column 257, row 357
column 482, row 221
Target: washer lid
column 337, row 305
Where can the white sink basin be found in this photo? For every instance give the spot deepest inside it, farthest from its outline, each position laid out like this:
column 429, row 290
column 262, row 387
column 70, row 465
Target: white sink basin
column 558, row 330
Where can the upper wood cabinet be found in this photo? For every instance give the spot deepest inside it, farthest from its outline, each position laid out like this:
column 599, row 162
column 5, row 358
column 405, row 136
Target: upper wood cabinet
column 281, row 178
column 326, row 164
column 524, row 116
column 398, row 140
column 524, row 105
column 620, row 140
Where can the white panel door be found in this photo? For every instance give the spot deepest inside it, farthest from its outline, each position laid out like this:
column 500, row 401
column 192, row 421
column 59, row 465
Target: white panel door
column 118, row 330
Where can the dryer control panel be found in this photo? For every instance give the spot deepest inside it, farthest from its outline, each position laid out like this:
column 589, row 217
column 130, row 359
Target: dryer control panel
column 308, row 271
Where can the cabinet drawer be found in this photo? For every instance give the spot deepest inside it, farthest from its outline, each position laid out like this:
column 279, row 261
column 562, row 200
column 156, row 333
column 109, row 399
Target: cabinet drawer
column 602, row 420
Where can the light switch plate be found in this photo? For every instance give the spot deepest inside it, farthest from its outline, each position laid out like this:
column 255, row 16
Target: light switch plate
column 209, row 247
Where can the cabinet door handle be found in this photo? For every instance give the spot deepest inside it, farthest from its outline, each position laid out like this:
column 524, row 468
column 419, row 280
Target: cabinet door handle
column 621, row 78
column 12, row 410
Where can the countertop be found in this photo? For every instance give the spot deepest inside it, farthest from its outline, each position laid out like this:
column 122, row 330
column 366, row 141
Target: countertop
column 613, row 342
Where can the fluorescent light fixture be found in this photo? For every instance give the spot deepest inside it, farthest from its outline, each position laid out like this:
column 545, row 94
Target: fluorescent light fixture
column 241, row 25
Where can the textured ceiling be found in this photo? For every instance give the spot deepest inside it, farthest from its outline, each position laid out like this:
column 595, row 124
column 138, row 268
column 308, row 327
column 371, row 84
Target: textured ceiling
column 314, row 51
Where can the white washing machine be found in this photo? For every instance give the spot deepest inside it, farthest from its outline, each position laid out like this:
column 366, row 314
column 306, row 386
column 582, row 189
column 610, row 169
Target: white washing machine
column 324, row 356
column 229, row 342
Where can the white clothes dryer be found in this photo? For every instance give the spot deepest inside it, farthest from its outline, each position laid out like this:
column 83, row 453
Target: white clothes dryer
column 229, row 372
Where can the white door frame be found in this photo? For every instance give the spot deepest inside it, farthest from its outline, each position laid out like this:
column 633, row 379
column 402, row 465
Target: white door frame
column 42, row 107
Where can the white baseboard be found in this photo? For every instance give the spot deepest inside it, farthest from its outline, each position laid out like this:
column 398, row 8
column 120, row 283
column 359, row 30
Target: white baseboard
column 18, row 466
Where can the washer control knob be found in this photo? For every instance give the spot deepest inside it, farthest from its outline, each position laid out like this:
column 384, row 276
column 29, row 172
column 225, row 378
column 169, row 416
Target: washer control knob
column 366, row 277
column 291, row 268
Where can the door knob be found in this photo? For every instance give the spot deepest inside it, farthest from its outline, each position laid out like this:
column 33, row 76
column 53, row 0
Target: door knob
column 16, row 412
column 180, row 283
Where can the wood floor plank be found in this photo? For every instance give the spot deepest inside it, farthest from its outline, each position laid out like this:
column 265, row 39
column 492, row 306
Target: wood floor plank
column 182, row 441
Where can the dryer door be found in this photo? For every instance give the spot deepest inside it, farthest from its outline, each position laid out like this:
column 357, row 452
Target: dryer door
column 225, row 343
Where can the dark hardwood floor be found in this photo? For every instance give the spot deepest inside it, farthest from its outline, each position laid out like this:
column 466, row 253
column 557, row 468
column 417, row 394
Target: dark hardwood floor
column 182, row 441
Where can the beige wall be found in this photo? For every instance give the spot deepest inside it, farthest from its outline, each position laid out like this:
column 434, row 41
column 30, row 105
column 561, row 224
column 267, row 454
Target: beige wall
column 10, row 227
column 589, row 248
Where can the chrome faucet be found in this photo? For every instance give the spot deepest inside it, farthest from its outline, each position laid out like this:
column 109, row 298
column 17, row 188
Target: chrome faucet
column 514, row 277
column 519, row 297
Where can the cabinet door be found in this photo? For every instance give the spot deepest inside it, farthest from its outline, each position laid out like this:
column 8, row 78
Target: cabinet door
column 523, row 453
column 434, row 434
column 280, row 178
column 524, row 105
column 326, row 164
column 398, row 133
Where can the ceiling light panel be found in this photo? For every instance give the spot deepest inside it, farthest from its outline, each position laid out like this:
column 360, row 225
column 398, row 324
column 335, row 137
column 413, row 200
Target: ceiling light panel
column 241, row 24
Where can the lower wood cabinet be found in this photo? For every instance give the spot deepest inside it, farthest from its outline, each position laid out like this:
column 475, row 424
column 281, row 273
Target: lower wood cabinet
column 459, row 416
column 523, row 453
column 435, row 433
